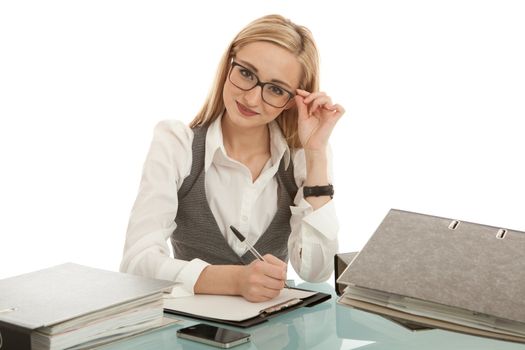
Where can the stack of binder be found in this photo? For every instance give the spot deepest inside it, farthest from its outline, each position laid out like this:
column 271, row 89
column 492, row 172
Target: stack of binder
column 77, row 307
column 443, row 273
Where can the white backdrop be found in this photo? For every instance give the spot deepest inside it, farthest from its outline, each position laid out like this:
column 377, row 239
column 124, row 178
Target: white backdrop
column 434, row 93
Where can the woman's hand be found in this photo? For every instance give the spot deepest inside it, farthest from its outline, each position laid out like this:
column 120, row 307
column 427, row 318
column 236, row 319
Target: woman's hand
column 258, row 281
column 317, row 118
column 262, row 280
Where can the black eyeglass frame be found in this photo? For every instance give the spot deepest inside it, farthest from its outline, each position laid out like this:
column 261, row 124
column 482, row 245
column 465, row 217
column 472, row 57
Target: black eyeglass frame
column 259, row 83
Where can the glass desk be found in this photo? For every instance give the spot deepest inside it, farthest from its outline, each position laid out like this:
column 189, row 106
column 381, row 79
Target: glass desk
column 325, row 326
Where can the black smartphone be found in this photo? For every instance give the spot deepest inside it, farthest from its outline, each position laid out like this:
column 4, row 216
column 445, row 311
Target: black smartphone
column 211, row 335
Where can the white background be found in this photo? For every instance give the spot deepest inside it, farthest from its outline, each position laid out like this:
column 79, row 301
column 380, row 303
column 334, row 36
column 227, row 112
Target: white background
column 434, row 93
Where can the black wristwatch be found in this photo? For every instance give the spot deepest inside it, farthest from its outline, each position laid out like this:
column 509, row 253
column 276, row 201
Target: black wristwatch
column 317, row 191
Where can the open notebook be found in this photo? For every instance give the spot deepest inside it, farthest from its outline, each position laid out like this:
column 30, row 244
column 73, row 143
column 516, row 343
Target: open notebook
column 237, row 311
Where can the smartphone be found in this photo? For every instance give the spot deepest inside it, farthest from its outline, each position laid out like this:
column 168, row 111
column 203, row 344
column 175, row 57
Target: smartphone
column 211, row 335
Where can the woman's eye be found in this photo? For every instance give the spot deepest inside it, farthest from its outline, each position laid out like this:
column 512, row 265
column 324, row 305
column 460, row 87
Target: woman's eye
column 276, row 90
column 246, row 73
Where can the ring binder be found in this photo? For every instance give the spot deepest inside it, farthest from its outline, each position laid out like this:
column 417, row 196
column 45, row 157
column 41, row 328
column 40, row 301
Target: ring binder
column 410, row 269
column 71, row 305
column 453, row 225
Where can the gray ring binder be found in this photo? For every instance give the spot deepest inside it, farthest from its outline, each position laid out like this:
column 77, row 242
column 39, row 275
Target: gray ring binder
column 62, row 306
column 442, row 272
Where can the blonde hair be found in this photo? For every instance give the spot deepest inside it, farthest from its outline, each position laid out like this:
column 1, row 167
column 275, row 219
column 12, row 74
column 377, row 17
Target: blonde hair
column 284, row 33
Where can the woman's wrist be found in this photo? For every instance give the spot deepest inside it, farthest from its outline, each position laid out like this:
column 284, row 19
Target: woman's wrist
column 315, row 153
column 316, row 168
column 219, row 279
column 316, row 175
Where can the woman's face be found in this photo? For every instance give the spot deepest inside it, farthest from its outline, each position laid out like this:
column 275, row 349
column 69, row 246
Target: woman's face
column 264, row 62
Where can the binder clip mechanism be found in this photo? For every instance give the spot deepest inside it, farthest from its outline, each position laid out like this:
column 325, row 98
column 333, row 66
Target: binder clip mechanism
column 279, row 307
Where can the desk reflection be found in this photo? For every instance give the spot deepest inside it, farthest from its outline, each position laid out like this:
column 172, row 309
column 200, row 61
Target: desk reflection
column 324, row 326
column 304, row 328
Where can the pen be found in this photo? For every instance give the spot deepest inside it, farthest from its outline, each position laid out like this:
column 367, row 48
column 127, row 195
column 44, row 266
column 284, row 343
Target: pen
column 250, row 247
column 254, row 251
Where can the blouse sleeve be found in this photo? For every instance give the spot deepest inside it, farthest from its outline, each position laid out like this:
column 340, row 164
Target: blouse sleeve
column 313, row 240
column 152, row 218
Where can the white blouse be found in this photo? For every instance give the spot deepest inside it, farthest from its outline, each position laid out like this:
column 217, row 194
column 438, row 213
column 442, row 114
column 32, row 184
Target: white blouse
column 233, row 199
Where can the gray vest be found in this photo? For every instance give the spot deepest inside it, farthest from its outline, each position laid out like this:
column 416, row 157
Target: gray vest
column 197, row 234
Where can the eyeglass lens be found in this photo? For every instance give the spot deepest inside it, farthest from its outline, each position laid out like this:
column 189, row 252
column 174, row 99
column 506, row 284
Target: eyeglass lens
column 272, row 94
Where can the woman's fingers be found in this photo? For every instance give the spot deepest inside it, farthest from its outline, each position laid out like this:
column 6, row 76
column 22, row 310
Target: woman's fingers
column 317, row 117
column 339, row 110
column 313, row 96
column 301, row 92
column 314, row 101
column 268, row 275
column 322, row 101
column 262, row 294
column 263, row 280
column 269, row 258
column 309, row 96
column 302, row 108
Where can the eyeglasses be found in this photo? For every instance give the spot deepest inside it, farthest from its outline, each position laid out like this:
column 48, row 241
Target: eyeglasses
column 272, row 94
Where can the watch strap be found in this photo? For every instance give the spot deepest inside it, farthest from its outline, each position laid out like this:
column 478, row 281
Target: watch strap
column 317, row 191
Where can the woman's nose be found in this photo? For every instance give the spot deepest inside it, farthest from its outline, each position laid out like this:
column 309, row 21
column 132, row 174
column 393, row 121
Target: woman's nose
column 253, row 96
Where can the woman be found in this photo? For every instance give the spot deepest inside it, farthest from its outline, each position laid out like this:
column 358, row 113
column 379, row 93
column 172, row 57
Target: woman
column 259, row 142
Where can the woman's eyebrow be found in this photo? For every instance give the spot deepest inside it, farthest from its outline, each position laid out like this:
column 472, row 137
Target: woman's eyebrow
column 252, row 67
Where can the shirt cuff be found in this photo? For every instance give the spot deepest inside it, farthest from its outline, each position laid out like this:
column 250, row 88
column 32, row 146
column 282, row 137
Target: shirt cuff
column 323, row 219
column 187, row 277
column 302, row 208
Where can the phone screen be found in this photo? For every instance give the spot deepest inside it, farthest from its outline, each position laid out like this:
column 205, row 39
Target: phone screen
column 213, row 335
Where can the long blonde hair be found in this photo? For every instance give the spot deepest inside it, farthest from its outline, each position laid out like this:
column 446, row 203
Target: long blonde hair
column 282, row 32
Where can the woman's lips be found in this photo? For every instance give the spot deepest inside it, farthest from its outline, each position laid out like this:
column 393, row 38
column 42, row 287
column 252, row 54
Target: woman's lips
column 245, row 111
